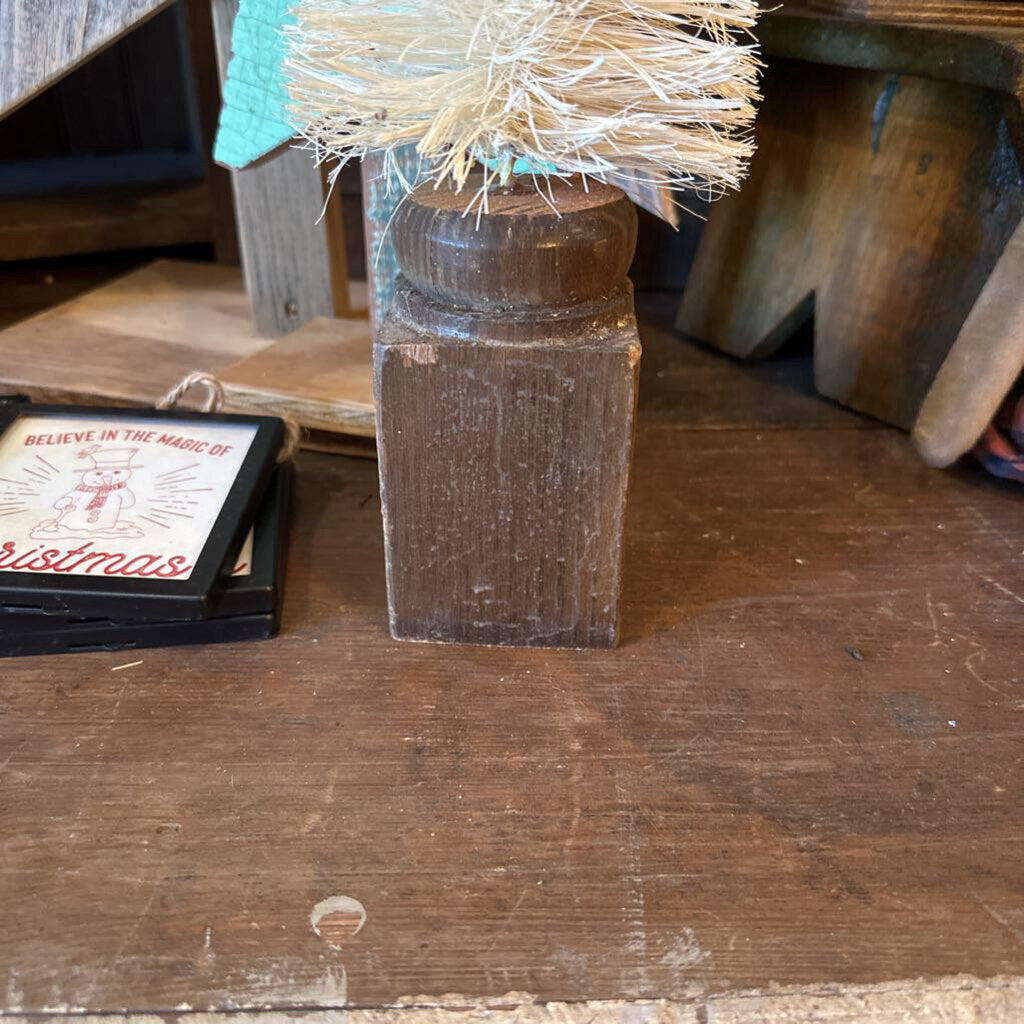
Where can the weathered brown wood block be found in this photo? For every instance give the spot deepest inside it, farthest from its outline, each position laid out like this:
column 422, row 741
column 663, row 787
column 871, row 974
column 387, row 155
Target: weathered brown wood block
column 878, row 203
column 506, row 384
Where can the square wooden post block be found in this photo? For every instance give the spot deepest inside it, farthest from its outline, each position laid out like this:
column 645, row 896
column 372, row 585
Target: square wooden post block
column 506, row 387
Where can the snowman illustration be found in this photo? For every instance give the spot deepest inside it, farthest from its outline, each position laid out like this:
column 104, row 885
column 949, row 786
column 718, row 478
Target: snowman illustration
column 94, row 507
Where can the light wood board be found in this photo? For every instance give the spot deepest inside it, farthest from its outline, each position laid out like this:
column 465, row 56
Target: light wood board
column 320, row 376
column 130, row 341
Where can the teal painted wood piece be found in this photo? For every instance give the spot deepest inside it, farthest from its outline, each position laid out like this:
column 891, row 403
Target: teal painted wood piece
column 253, row 119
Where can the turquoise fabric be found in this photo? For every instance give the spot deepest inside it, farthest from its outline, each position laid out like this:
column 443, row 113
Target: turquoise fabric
column 254, row 117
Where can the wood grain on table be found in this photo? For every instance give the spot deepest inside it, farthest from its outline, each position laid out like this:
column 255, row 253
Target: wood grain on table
column 802, row 768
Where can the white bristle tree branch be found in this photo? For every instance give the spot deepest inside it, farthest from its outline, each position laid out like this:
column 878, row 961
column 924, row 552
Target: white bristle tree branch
column 649, row 93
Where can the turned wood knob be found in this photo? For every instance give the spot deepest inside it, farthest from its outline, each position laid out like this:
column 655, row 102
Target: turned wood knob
column 521, row 254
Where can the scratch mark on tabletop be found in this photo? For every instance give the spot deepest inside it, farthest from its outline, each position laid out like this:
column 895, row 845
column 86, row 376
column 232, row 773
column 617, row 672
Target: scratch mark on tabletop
column 121, row 668
column 1001, row 921
column 313, row 820
column 331, row 784
column 125, row 942
column 577, row 811
column 1006, row 591
column 969, row 665
column 93, row 775
column 275, row 982
column 937, row 642
column 993, row 531
column 508, row 920
column 636, row 904
column 700, row 647
column 685, row 952
column 687, row 747
column 10, row 757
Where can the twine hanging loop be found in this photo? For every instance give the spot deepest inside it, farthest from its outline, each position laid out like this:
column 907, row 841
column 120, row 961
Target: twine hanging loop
column 214, row 392
column 214, row 402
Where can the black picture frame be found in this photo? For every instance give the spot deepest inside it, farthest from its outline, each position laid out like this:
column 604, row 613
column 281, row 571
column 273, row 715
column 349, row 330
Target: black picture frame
column 263, row 589
column 260, row 592
column 146, row 599
column 108, row 637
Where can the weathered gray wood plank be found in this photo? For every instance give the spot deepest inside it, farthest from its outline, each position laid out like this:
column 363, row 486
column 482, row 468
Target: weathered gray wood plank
column 42, row 40
column 285, row 247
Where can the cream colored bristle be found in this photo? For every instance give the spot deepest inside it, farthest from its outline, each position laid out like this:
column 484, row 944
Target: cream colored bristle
column 651, row 92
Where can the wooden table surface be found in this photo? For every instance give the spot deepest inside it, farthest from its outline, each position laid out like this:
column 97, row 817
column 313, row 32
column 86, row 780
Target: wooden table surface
column 798, row 781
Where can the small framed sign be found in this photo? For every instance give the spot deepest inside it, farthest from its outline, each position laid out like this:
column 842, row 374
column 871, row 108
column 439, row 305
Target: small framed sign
column 248, row 608
column 252, row 585
column 126, row 513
